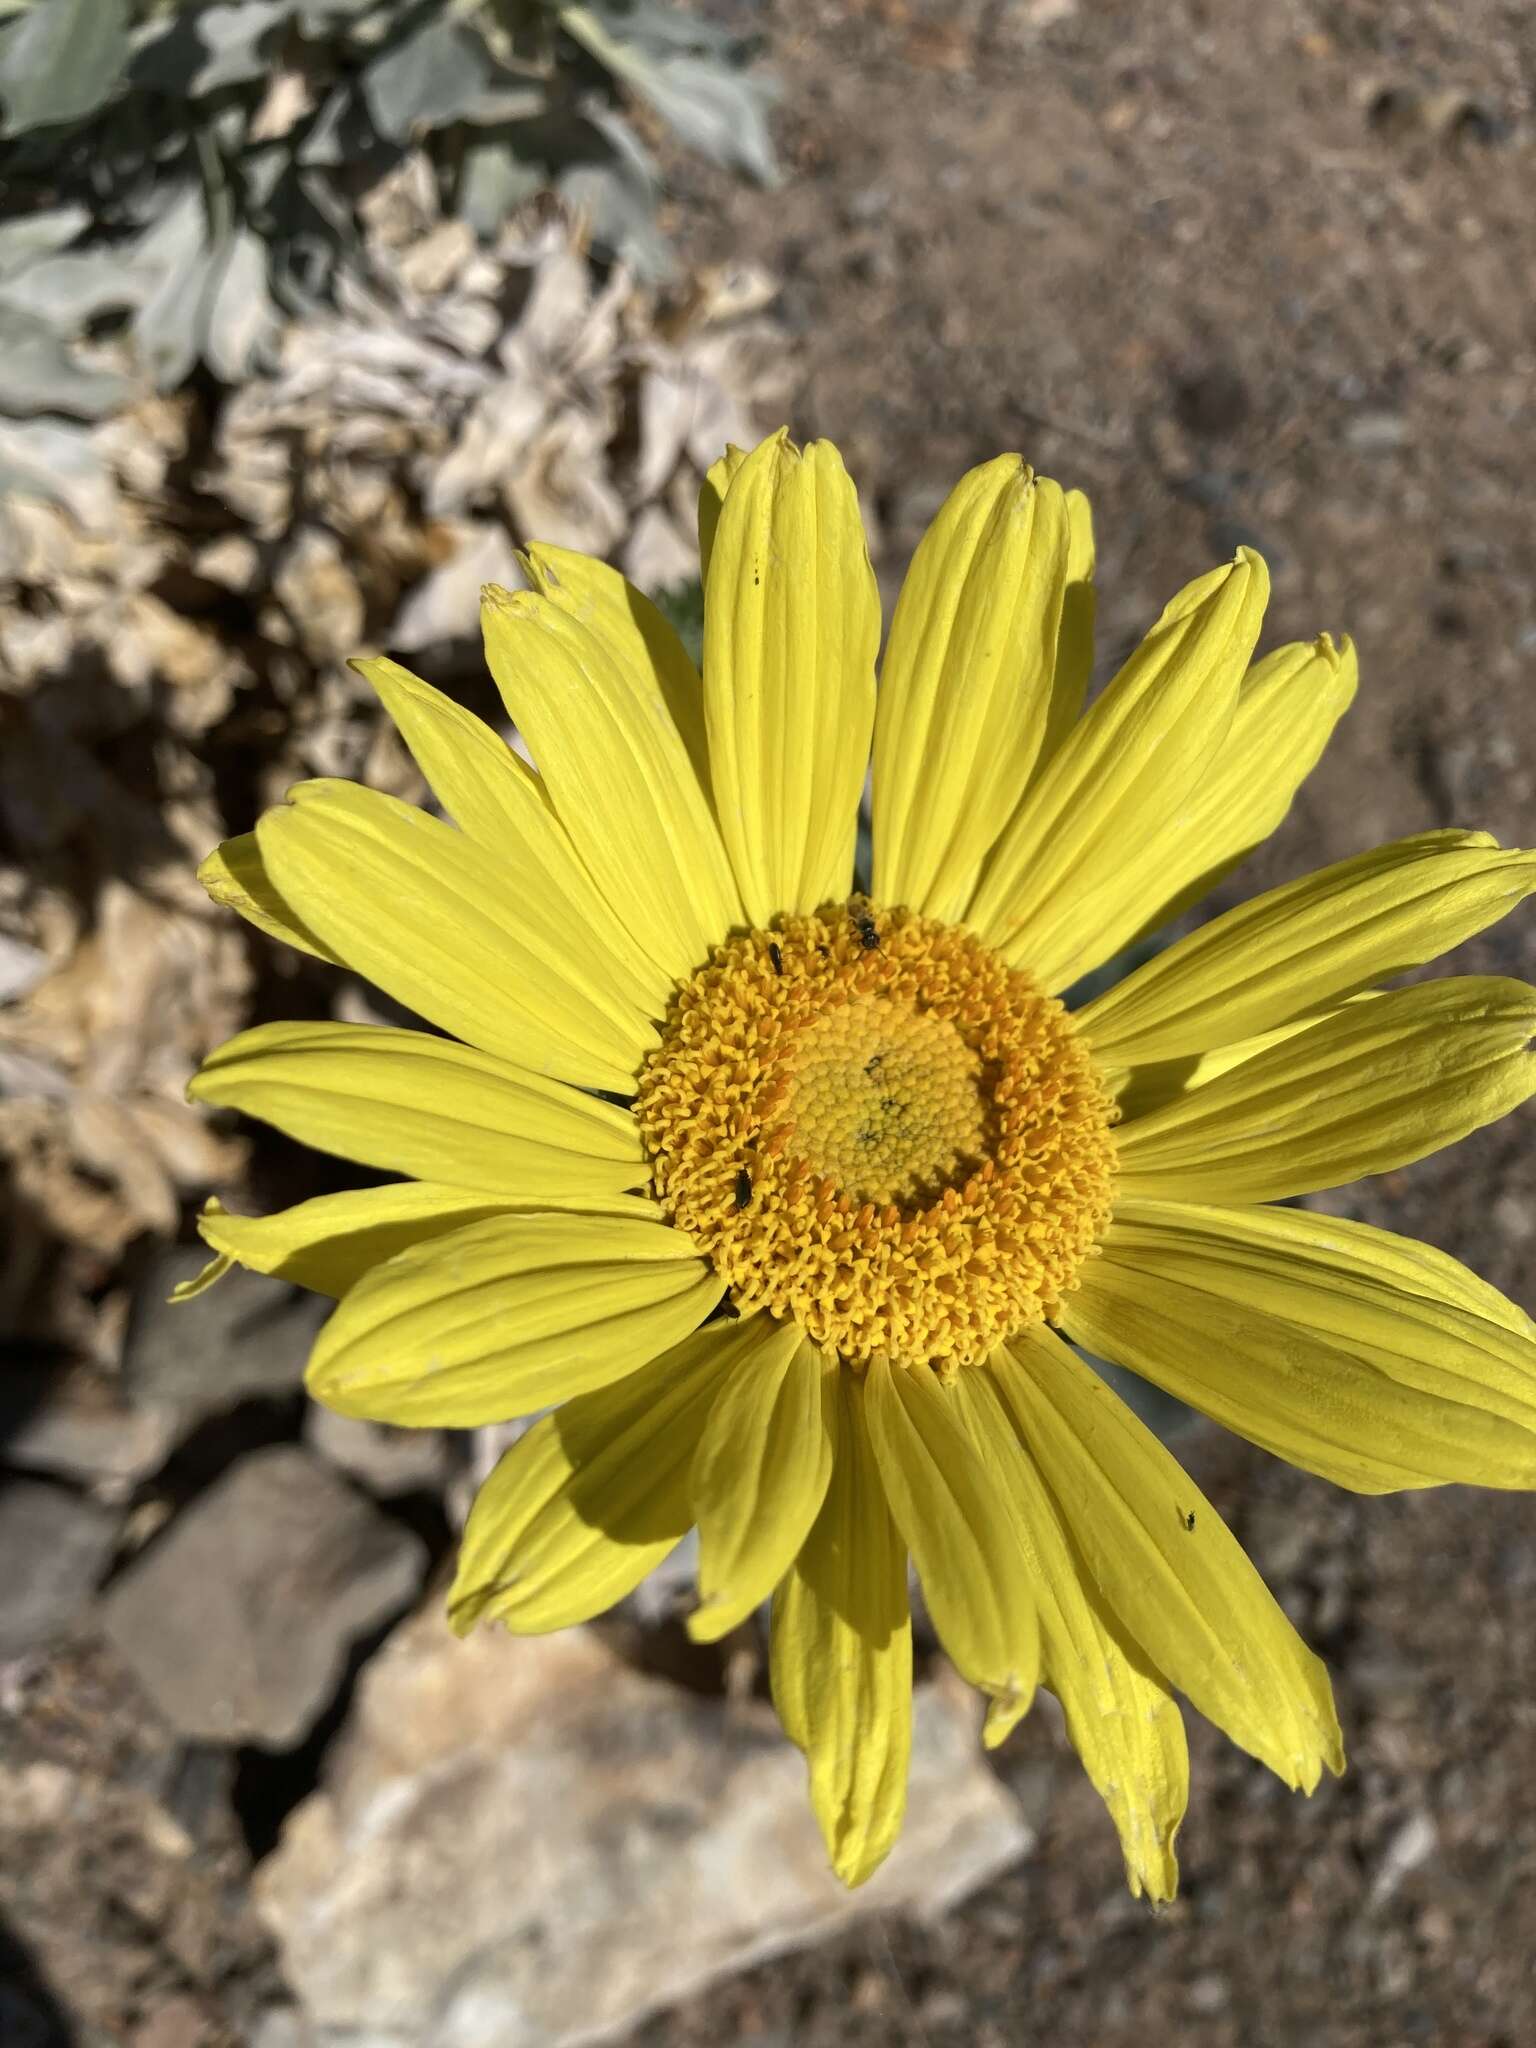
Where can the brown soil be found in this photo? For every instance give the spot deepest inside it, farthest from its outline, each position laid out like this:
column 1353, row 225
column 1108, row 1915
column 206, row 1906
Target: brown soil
column 1244, row 274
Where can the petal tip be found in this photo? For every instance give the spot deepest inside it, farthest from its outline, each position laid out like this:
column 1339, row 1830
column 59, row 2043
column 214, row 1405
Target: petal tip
column 214, row 1271
column 710, row 1620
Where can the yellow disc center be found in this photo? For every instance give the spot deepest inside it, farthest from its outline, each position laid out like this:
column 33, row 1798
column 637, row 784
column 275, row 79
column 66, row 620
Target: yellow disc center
column 886, row 1101
column 872, row 1124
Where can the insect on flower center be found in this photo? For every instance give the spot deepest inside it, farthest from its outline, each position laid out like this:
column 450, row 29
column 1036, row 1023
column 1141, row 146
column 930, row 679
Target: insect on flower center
column 871, row 1123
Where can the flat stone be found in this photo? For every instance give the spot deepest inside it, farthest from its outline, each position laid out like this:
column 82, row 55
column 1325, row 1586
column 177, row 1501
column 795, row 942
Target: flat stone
column 55, row 1547
column 524, row 1843
column 239, row 1621
column 387, row 1461
column 246, row 1336
column 81, row 1431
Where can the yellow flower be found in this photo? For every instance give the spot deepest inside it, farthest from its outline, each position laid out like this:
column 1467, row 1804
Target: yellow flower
column 785, row 1194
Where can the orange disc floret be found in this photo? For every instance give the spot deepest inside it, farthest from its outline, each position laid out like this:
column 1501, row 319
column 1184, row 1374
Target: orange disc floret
column 871, row 1123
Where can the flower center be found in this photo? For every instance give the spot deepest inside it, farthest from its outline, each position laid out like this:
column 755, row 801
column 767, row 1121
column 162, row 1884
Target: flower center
column 870, row 1123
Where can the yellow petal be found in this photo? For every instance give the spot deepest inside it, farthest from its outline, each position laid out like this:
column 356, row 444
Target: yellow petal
column 509, row 1315
column 1308, row 944
column 495, row 797
column 760, row 1473
column 210, row 1276
column 965, row 687
column 1074, row 856
column 841, row 1662
column 235, row 876
column 405, row 1102
column 442, row 926
column 791, row 627
column 1286, row 712
column 1074, row 644
column 1374, row 1086
column 592, row 1498
column 640, row 640
column 482, row 785
column 617, row 771
column 330, row 1242
column 1153, row 1084
column 1340, row 1348
column 1121, row 1718
column 716, row 483
column 1169, row 1569
column 957, row 1520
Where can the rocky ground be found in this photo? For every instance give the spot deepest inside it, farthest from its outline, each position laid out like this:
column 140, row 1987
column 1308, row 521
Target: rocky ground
column 1250, row 275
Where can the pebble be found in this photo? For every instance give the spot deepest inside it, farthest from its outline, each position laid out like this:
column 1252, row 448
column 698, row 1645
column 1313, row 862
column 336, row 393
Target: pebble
column 246, row 1336
column 86, row 1436
column 1414, row 1843
column 239, row 1621
column 387, row 1461
column 1376, row 433
column 55, row 1547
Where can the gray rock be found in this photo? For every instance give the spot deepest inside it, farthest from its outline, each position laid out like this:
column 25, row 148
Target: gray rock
column 239, row 1620
column 248, row 1335
column 86, row 1435
column 386, row 1461
column 54, row 1548
column 524, row 1843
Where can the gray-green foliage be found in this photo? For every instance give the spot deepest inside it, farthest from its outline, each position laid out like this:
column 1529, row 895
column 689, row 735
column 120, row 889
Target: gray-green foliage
column 682, row 606
column 191, row 169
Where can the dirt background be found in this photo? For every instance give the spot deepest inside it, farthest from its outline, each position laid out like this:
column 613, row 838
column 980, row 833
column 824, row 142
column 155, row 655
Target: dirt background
column 1262, row 275
column 1244, row 274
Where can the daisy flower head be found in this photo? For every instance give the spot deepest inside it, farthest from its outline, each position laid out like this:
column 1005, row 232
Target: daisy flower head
column 785, row 1198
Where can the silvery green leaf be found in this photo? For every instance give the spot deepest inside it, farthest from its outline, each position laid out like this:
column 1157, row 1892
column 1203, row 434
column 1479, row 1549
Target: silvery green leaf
column 38, row 374
column 168, row 329
column 723, row 114
column 604, row 170
column 204, row 48
column 343, row 132
column 178, row 231
column 659, row 28
column 316, row 17
column 262, row 172
column 440, row 74
column 175, row 251
column 232, row 36
column 323, row 141
column 61, row 60
column 24, row 240
column 66, row 290
column 690, row 71
column 493, row 180
column 54, row 460
column 237, row 307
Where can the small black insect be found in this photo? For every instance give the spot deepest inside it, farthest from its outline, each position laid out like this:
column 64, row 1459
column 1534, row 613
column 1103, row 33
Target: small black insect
column 743, row 1189
column 775, row 956
column 864, row 925
column 874, row 1063
column 1189, row 1519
